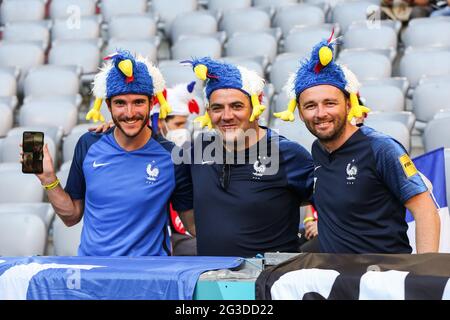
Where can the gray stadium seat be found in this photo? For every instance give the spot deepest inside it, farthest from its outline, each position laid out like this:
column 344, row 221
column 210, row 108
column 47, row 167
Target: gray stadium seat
column 16, row 186
column 8, row 83
column 395, row 129
column 175, row 73
column 83, row 54
column 63, row 173
column 132, row 27
column 436, row 134
column 399, row 82
column 168, row 10
column 147, row 48
column 266, row 3
column 419, row 62
column 361, row 36
column 406, row 117
column 347, row 12
column 60, row 9
column 71, row 140
column 6, row 119
column 225, row 5
column 251, row 43
column 113, row 8
column 244, row 20
column 27, row 31
column 193, row 23
column 41, row 209
column 429, row 97
column 280, row 102
column 51, row 80
column 302, row 39
column 54, row 133
column 187, row 47
column 289, row 16
column 24, row 10
column 10, row 152
column 66, row 239
column 22, row 234
column 433, row 33
column 256, row 63
column 88, row 28
column 45, row 113
column 383, row 97
column 283, row 65
column 366, row 64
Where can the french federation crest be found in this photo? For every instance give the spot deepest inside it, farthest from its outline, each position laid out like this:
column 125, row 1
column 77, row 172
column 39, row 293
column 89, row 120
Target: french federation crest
column 152, row 172
column 352, row 170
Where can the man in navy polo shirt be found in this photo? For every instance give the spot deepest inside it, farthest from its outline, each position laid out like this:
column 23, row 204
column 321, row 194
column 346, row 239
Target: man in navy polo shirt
column 363, row 179
column 121, row 181
column 249, row 182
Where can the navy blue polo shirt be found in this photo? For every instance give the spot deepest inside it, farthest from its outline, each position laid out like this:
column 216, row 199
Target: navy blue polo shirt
column 258, row 210
column 359, row 193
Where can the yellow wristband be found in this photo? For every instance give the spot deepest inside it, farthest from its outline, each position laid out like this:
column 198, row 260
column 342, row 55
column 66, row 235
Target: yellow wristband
column 52, row 185
column 308, row 219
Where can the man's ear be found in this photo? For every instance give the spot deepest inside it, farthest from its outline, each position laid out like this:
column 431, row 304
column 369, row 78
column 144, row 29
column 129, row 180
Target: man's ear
column 108, row 103
column 299, row 109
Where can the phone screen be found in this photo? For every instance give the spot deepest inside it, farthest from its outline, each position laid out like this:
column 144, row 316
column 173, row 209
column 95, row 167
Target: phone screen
column 33, row 155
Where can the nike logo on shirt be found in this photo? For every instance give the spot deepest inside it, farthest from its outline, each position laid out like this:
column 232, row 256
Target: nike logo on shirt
column 95, row 164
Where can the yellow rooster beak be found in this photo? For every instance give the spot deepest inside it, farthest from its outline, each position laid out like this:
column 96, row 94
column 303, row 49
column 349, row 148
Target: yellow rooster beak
column 325, row 55
column 201, row 71
column 126, row 66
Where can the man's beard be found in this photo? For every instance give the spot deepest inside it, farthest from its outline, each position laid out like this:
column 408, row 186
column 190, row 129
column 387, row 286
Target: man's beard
column 137, row 117
column 339, row 126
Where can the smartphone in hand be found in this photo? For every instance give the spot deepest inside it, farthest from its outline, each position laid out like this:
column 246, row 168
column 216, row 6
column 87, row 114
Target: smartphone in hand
column 33, row 152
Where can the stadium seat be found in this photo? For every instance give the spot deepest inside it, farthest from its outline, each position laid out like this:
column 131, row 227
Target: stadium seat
column 419, row 62
column 280, row 101
column 382, row 97
column 66, row 239
column 112, row 8
column 132, row 27
column 362, row 36
column 399, row 82
column 6, row 119
column 221, row 6
column 46, row 113
column 256, row 63
column 147, row 48
column 8, row 84
column 405, row 117
column 395, row 129
column 193, row 23
column 175, row 73
column 168, row 10
column 51, row 80
column 251, row 43
column 22, row 234
column 436, row 134
column 281, row 68
column 54, row 133
column 447, row 172
column 430, row 96
column 27, row 31
column 266, row 3
column 289, row 16
column 16, row 186
column 10, row 151
column 24, row 10
column 86, row 28
column 63, row 173
column 433, row 33
column 244, row 20
column 61, row 9
column 347, row 12
column 366, row 64
column 83, row 54
column 302, row 39
column 41, row 209
column 187, row 47
column 71, row 140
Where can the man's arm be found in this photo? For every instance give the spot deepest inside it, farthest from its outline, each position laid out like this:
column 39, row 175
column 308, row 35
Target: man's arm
column 428, row 223
column 70, row 211
column 187, row 217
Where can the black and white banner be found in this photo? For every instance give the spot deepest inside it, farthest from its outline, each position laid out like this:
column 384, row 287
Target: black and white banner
column 313, row 276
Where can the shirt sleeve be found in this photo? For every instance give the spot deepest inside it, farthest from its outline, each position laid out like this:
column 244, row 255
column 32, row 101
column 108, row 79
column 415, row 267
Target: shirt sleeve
column 299, row 168
column 182, row 196
column 396, row 169
column 76, row 185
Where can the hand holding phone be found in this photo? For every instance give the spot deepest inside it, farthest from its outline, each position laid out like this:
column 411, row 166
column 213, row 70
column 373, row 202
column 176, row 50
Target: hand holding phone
column 33, row 153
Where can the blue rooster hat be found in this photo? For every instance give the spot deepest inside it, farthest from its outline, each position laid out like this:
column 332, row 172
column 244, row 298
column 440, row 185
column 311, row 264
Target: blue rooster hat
column 321, row 69
column 125, row 74
column 221, row 75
